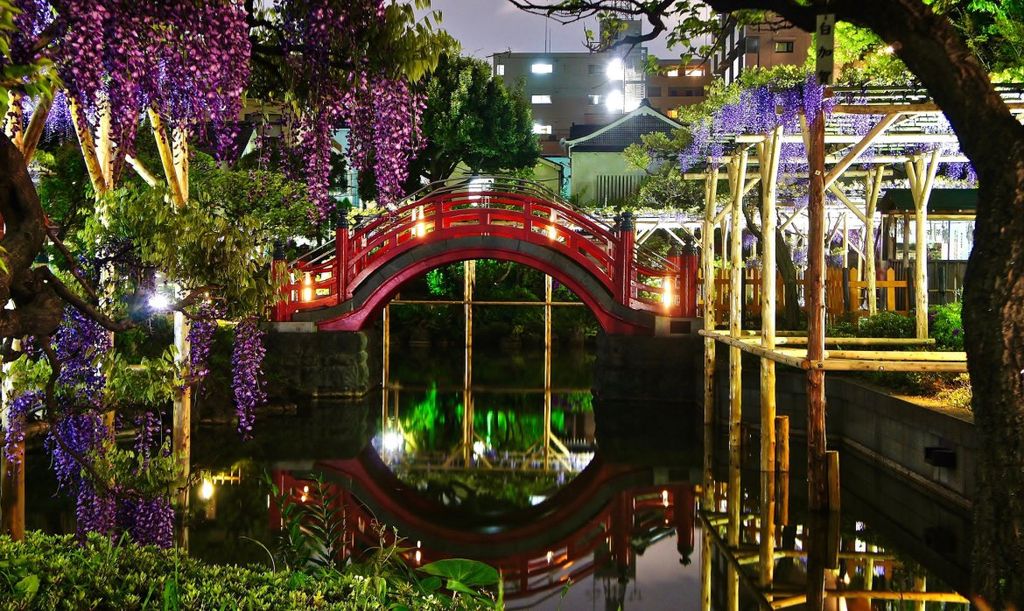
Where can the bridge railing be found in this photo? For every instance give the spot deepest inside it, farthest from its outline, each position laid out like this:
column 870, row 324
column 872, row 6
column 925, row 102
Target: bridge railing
column 481, row 206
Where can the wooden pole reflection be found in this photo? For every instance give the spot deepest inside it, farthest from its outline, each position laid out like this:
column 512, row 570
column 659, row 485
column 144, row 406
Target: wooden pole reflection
column 547, row 371
column 468, row 284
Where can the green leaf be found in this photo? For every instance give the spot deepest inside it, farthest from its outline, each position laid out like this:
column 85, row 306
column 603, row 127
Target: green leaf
column 467, row 572
column 27, row 587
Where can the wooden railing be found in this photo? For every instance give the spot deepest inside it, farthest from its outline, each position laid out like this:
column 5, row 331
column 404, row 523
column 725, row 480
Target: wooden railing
column 845, row 293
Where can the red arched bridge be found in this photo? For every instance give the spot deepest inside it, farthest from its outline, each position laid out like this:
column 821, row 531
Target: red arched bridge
column 340, row 285
column 587, row 527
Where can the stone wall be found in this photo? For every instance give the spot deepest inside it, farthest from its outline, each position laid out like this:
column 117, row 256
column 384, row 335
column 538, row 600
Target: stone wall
column 886, row 429
column 301, row 366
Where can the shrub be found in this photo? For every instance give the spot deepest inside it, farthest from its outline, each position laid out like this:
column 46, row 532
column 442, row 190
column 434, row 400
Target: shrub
column 886, row 324
column 56, row 572
column 947, row 326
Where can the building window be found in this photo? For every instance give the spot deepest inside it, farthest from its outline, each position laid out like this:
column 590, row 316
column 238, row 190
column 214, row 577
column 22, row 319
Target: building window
column 672, row 73
column 594, row 99
column 540, row 99
column 542, row 68
column 654, row 92
column 753, row 44
column 594, row 69
column 675, row 92
column 783, row 46
column 500, row 69
column 695, row 71
column 541, row 129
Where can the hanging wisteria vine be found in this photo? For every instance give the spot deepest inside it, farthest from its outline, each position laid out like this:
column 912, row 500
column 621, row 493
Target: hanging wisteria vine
column 247, row 373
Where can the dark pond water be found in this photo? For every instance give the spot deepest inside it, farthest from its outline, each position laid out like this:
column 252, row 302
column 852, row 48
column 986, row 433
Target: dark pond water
column 512, row 475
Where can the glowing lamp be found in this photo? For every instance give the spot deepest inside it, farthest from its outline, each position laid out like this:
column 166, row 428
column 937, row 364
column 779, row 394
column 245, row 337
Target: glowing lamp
column 307, row 287
column 392, row 441
column 667, row 298
column 478, row 448
column 421, row 226
column 552, row 228
column 664, row 498
column 159, row 302
column 206, row 490
column 550, row 557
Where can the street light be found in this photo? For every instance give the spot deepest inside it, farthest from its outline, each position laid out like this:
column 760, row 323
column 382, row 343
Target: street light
column 616, row 70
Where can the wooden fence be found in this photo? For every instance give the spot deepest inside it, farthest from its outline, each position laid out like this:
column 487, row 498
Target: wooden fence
column 845, row 292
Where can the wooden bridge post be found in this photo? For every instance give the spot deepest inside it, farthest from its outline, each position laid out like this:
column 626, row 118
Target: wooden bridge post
column 625, row 259
column 341, row 251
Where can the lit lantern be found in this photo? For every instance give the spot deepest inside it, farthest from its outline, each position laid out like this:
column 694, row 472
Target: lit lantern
column 667, row 297
column 206, row 490
column 552, row 228
column 307, row 287
column 421, row 225
column 664, row 498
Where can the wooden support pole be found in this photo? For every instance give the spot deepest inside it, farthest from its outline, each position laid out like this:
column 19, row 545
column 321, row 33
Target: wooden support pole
column 88, row 147
column 873, row 188
column 547, row 370
column 834, row 497
column 105, row 147
column 768, row 154
column 817, row 472
column 468, row 284
column 182, row 424
column 782, row 466
column 846, row 240
column 738, row 175
column 34, row 131
column 163, row 146
column 921, row 174
column 707, row 250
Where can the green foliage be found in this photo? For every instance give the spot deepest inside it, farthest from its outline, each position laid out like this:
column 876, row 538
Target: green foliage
column 958, row 393
column 313, row 537
column 865, row 59
column 886, row 324
column 219, row 241
column 993, row 30
column 947, row 326
column 483, row 491
column 472, row 118
column 55, row 572
column 149, row 384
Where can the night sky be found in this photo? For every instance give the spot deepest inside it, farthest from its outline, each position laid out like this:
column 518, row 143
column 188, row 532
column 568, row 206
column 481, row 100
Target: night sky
column 485, row 27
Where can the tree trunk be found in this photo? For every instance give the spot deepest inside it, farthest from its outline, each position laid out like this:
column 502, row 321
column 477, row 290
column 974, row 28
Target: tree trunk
column 787, row 269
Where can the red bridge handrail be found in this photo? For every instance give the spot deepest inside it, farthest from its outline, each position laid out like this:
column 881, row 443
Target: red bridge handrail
column 503, row 207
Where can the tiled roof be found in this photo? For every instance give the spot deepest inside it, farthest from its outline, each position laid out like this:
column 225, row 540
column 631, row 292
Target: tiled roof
column 616, row 136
